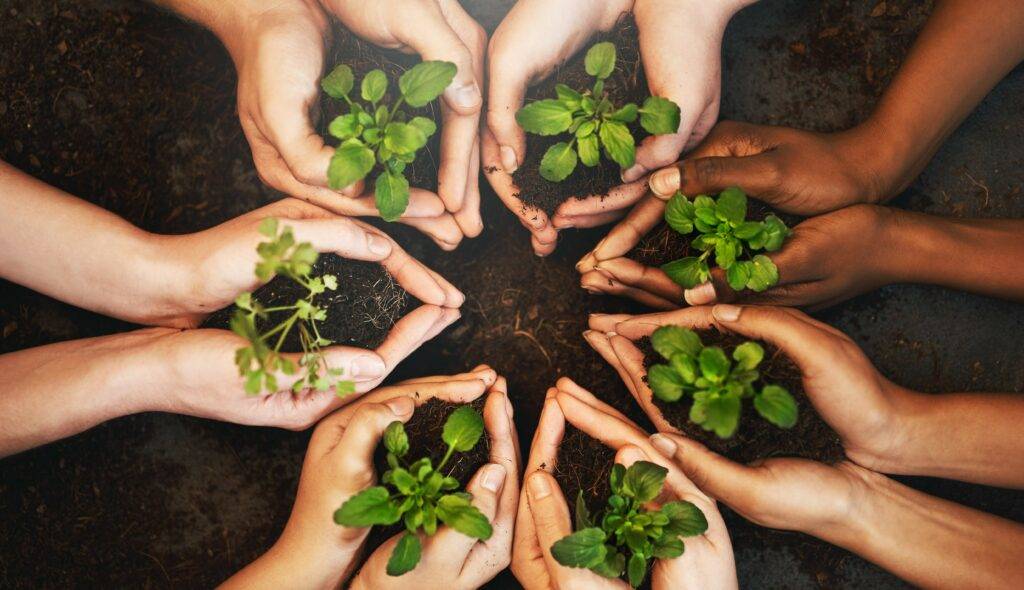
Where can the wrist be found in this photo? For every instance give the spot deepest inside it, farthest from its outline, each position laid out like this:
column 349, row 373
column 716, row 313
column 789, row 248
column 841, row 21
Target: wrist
column 323, row 561
column 879, row 155
column 851, row 522
column 164, row 276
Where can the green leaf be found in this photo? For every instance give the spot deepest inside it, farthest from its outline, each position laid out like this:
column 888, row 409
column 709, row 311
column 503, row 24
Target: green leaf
column 392, row 195
column 395, row 439
column 776, row 233
column 748, row 230
column 732, row 205
column 403, row 138
column 685, row 366
column 738, row 274
column 583, row 548
column 588, row 149
column 659, row 116
column 586, row 128
column 777, row 406
column 462, row 516
column 705, row 214
column 367, row 508
column 726, row 251
column 684, row 519
column 722, row 415
column 666, row 383
column 405, row 556
column 615, row 477
column 636, row 570
column 426, row 81
column 339, row 82
column 618, row 143
column 427, row 126
column 670, row 340
column 345, row 127
column 763, row 273
column 679, row 214
column 748, row 355
column 569, row 97
column 375, row 84
column 582, row 513
column 463, row 428
column 600, row 60
column 668, row 548
column 687, row 272
column 643, row 481
column 558, row 162
column 714, row 364
column 268, row 227
column 351, row 161
column 545, row 117
column 627, row 114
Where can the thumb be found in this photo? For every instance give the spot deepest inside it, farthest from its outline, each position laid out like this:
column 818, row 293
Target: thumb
column 758, row 174
column 716, row 290
column 713, row 474
column 506, row 91
column 354, row 450
column 550, row 512
column 341, row 236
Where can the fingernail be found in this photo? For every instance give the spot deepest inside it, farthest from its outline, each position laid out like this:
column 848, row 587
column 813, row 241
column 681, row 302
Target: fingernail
column 467, row 96
column 400, row 406
column 539, row 487
column 493, row 477
column 664, row 444
column 366, row 367
column 665, row 182
column 631, row 174
column 509, row 160
column 700, row 295
column 726, row 312
column 378, row 245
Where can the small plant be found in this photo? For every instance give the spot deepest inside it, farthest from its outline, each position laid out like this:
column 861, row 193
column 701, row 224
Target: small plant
column 716, row 384
column 593, row 121
column 374, row 134
column 724, row 230
column 420, row 494
column 625, row 536
column 261, row 359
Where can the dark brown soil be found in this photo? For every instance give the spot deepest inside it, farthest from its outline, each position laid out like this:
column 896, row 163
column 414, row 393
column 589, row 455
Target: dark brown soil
column 360, row 312
column 583, row 465
column 627, row 84
column 424, row 431
column 756, row 438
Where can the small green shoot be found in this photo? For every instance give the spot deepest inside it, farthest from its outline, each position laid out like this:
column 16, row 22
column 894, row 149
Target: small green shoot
column 418, row 493
column 625, row 536
column 261, row 359
column 716, row 384
column 724, row 230
column 375, row 135
column 593, row 121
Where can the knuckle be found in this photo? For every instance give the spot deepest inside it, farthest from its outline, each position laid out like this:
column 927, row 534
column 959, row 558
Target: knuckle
column 707, row 171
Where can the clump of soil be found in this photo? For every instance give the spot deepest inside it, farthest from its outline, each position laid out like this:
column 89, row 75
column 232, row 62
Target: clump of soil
column 360, row 312
column 424, row 431
column 756, row 438
column 583, row 464
column 626, row 84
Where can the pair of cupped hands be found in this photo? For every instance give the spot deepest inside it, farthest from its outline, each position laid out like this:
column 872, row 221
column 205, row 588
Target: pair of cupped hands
column 783, row 493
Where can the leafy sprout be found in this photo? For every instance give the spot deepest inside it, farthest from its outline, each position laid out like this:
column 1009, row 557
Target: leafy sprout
column 723, row 229
column 625, row 535
column 716, row 384
column 593, row 121
column 261, row 359
column 418, row 493
column 375, row 135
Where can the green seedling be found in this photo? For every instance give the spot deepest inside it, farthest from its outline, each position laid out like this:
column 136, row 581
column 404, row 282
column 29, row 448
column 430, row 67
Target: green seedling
column 261, row 359
column 716, row 384
column 418, row 493
column 375, row 135
column 625, row 536
column 724, row 230
column 593, row 121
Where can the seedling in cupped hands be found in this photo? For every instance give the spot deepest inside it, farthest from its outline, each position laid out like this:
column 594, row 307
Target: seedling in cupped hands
column 375, row 135
column 418, row 493
column 625, row 536
column 715, row 383
column 593, row 121
column 724, row 230
column 261, row 359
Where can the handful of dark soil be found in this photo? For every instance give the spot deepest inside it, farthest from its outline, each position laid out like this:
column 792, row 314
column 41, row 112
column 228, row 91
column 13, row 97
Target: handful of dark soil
column 360, row 312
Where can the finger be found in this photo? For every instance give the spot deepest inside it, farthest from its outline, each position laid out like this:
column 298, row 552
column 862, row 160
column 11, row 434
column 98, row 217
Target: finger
column 407, row 334
column 631, row 359
column 532, row 218
column 342, row 237
column 758, row 175
column 468, row 217
column 358, row 365
column 605, row 322
column 568, row 386
column 541, row 248
column 618, row 198
column 638, row 326
column 507, row 81
column 452, row 297
column 550, row 514
column 417, row 279
column 713, row 474
column 597, row 282
column 633, row 274
column 481, row 372
column 449, row 547
column 609, row 429
column 588, row 221
column 527, row 555
column 627, row 234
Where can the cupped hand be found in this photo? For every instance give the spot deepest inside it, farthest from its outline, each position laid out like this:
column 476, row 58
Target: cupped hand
column 827, row 259
column 864, row 408
column 451, row 559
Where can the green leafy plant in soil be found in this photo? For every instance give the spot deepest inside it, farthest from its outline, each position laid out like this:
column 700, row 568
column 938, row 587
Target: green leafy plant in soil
column 261, row 358
column 595, row 124
column 724, row 230
column 418, row 493
column 376, row 135
column 624, row 536
column 716, row 384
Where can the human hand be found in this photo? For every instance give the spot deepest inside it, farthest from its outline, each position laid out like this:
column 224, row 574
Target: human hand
column 827, row 259
column 866, row 410
column 338, row 465
column 451, row 559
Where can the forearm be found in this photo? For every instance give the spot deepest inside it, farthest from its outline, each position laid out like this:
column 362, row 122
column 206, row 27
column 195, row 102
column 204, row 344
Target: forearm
column 77, row 252
column 55, row 391
column 962, row 52
column 219, row 16
column 926, row 541
column 322, row 566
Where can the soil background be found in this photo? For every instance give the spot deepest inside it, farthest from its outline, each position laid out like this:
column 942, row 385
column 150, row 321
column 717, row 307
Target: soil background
column 133, row 109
